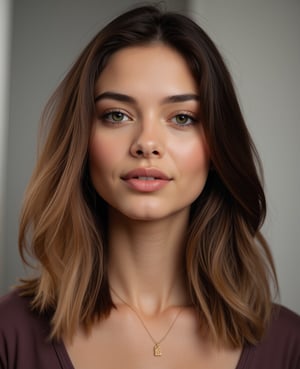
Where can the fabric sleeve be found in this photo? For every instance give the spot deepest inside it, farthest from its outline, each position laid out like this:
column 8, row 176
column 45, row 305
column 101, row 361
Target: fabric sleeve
column 24, row 337
column 280, row 348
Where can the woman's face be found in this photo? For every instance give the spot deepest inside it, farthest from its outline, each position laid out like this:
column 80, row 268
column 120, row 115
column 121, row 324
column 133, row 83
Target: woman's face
column 148, row 154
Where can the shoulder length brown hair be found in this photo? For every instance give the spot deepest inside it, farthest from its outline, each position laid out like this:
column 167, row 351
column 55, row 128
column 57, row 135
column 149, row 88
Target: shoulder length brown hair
column 63, row 220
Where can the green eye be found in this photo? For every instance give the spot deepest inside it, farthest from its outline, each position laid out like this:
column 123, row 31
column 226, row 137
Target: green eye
column 116, row 116
column 183, row 119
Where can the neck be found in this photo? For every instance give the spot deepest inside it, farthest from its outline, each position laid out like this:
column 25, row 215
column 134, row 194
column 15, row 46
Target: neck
column 146, row 261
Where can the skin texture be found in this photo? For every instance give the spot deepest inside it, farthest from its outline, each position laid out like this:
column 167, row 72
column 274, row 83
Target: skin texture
column 148, row 135
column 148, row 219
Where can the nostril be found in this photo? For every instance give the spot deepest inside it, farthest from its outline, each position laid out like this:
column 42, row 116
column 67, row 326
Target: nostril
column 145, row 150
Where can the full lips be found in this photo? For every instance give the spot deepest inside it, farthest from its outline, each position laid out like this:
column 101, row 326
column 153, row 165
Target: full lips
column 146, row 185
column 136, row 179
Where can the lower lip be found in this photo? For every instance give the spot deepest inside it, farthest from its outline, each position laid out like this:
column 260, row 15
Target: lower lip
column 146, row 185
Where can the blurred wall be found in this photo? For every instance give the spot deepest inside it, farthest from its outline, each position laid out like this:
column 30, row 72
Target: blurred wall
column 47, row 36
column 260, row 42
column 5, row 23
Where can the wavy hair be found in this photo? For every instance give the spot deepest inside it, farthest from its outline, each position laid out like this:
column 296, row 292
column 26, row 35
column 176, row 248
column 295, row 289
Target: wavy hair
column 229, row 267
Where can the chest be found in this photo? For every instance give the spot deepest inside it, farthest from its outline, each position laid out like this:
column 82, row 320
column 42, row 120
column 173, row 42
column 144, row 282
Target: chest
column 135, row 350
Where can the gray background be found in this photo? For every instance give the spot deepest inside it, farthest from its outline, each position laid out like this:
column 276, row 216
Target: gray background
column 260, row 42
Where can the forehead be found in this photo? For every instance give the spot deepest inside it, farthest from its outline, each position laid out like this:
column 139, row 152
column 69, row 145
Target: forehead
column 155, row 67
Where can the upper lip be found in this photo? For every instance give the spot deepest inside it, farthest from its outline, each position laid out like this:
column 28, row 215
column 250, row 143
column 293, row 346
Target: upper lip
column 146, row 172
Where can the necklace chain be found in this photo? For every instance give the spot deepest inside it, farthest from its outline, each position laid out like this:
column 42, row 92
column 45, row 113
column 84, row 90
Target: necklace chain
column 156, row 347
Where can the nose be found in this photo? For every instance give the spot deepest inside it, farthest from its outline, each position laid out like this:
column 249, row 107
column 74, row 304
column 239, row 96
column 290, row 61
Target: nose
column 148, row 142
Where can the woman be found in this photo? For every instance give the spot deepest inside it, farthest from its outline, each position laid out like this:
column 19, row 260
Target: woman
column 143, row 215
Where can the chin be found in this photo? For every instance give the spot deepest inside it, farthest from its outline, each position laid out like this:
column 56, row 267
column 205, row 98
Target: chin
column 144, row 217
column 154, row 214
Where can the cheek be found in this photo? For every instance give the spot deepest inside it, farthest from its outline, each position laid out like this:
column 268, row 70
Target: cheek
column 99, row 150
column 196, row 171
column 194, row 159
column 101, row 153
column 200, row 161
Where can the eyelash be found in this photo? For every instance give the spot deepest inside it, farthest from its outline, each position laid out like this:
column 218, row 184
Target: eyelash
column 107, row 118
column 190, row 117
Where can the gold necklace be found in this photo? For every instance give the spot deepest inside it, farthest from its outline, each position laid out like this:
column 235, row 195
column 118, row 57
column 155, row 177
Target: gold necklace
column 156, row 348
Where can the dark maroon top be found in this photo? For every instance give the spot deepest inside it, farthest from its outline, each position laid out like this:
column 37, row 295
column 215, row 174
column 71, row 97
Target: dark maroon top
column 24, row 343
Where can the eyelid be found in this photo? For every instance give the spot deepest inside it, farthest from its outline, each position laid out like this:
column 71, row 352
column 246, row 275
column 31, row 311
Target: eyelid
column 192, row 116
column 103, row 116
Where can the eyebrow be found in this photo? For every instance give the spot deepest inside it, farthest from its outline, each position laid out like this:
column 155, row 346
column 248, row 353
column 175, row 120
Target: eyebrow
column 129, row 99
